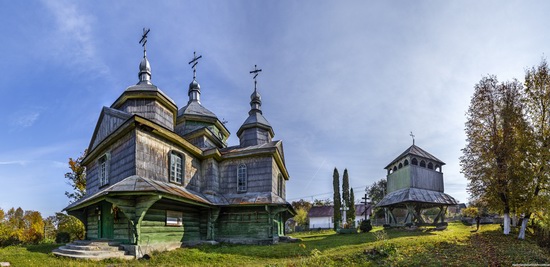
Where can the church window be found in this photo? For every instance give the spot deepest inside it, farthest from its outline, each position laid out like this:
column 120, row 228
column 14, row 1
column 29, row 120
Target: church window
column 176, row 167
column 174, row 218
column 422, row 164
column 400, row 165
column 394, row 168
column 414, row 161
column 438, row 168
column 242, row 178
column 406, row 163
column 103, row 165
column 430, row 166
column 280, row 186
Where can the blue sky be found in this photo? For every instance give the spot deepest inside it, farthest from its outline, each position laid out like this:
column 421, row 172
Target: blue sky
column 343, row 82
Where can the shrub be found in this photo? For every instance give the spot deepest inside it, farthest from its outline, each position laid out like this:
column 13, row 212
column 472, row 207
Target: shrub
column 365, row 226
column 62, row 237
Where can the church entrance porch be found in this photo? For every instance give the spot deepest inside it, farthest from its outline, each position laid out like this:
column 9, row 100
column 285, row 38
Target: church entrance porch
column 106, row 221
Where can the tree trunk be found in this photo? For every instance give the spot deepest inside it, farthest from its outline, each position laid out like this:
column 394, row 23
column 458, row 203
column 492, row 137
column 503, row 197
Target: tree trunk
column 506, row 223
column 515, row 220
column 523, row 226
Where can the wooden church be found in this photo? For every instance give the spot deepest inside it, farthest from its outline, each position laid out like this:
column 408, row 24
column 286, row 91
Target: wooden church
column 161, row 176
column 415, row 183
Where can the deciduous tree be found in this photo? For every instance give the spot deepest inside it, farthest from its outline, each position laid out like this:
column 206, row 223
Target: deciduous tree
column 536, row 179
column 493, row 158
column 77, row 178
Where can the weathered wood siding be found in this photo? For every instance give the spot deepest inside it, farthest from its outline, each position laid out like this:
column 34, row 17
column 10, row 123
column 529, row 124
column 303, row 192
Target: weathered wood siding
column 399, row 179
column 244, row 223
column 153, row 227
column 413, row 176
column 426, row 179
column 92, row 224
column 110, row 121
column 121, row 163
column 121, row 228
column 211, row 175
column 254, row 136
column 275, row 179
column 259, row 171
column 184, row 127
column 152, row 160
column 150, row 109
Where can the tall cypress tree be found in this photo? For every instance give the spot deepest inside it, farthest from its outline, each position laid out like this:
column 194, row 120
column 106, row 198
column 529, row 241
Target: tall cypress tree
column 351, row 211
column 337, row 200
column 345, row 189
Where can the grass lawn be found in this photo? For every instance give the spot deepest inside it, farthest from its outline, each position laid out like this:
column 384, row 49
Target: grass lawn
column 455, row 246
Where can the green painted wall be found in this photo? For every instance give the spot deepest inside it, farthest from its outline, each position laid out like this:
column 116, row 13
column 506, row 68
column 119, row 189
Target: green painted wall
column 244, row 223
column 399, row 179
column 120, row 228
column 153, row 227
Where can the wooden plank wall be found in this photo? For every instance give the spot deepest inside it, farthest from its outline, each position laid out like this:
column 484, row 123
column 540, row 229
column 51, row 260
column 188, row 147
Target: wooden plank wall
column 152, row 160
column 108, row 125
column 399, row 179
column 426, row 179
column 154, row 229
column 259, row 171
column 243, row 223
column 121, row 163
column 150, row 109
column 92, row 227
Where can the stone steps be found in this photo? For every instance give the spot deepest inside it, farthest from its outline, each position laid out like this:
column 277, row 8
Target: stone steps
column 92, row 250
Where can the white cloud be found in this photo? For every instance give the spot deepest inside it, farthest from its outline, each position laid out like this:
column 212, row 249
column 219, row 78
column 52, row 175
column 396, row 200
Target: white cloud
column 24, row 119
column 73, row 40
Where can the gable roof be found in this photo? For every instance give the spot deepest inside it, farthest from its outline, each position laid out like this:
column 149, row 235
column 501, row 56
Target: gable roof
column 414, row 150
column 109, row 120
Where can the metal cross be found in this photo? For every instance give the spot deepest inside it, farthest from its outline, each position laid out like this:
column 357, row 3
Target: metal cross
column 195, row 61
column 143, row 40
column 256, row 72
column 412, row 135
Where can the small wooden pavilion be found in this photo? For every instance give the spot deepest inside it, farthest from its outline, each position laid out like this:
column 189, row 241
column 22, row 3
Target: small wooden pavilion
column 415, row 183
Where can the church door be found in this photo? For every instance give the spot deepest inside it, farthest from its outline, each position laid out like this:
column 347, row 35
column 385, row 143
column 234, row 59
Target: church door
column 107, row 221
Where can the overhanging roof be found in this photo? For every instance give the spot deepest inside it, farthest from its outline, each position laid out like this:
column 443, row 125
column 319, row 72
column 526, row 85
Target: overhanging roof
column 416, row 195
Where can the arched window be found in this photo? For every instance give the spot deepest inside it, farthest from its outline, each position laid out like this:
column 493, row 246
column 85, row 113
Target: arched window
column 430, row 166
column 394, row 168
column 438, row 168
column 176, row 167
column 406, row 163
column 242, row 178
column 280, row 185
column 414, row 161
column 400, row 165
column 422, row 164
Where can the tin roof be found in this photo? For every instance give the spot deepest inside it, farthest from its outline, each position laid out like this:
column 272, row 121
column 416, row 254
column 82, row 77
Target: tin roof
column 416, row 195
column 137, row 184
column 195, row 108
column 415, row 151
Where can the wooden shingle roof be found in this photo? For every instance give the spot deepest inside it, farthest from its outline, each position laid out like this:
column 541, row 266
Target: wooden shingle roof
column 416, row 195
column 414, row 150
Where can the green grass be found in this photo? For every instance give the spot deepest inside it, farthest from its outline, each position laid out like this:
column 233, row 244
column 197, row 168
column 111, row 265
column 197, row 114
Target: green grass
column 455, row 246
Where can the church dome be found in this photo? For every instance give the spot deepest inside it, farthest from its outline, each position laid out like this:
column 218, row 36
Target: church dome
column 255, row 96
column 194, row 85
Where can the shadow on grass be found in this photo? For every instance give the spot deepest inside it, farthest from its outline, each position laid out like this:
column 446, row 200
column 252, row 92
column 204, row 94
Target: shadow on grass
column 319, row 242
column 42, row 248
